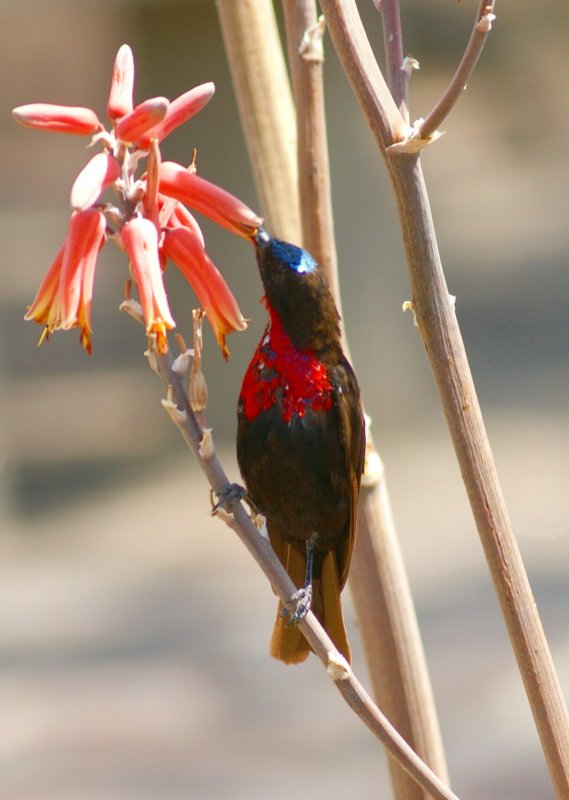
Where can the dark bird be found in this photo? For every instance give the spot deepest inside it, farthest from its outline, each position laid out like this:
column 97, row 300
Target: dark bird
column 301, row 441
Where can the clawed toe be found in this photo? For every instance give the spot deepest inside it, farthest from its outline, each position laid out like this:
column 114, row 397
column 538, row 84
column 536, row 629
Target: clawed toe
column 303, row 602
column 232, row 493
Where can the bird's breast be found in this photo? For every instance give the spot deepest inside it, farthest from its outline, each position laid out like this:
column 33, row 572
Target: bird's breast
column 282, row 374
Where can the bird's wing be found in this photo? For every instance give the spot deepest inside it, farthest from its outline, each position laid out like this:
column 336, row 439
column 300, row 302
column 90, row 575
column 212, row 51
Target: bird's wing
column 351, row 428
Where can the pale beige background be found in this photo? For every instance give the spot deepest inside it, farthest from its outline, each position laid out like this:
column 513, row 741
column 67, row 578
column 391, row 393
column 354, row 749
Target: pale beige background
column 134, row 629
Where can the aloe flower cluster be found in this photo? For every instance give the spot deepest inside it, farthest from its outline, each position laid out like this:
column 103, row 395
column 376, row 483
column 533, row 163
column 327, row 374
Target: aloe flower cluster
column 149, row 220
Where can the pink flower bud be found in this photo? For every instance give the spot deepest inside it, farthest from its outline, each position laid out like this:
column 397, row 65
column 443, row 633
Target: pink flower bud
column 141, row 120
column 179, row 111
column 222, row 311
column 122, row 83
column 64, row 119
column 209, row 199
column 98, row 174
column 140, row 239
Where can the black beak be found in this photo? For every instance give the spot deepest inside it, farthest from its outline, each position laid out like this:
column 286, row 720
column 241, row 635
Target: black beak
column 261, row 238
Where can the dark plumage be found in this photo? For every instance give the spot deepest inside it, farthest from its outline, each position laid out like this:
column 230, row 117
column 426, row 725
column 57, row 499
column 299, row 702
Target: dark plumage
column 301, row 438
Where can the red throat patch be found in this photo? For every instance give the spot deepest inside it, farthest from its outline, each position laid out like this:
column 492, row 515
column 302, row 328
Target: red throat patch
column 280, row 372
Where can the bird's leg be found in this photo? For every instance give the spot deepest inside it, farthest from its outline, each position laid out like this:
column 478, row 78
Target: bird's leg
column 303, row 597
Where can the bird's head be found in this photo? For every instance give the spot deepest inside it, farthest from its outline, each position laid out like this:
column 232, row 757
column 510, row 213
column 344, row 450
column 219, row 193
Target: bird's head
column 297, row 291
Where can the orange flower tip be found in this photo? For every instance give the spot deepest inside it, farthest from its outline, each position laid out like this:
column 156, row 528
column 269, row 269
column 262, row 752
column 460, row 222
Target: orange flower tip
column 159, row 330
column 122, row 84
column 85, row 339
column 63, row 119
column 141, row 119
column 179, row 111
column 224, row 348
column 214, row 202
column 101, row 171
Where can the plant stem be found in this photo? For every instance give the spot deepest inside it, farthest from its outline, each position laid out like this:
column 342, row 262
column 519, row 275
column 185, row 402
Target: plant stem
column 313, row 166
column 436, row 319
column 397, row 78
column 265, row 105
column 435, row 315
column 384, row 608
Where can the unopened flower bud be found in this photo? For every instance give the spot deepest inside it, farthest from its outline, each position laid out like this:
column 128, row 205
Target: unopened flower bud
column 207, row 198
column 122, row 83
column 141, row 119
column 179, row 111
column 98, row 174
column 62, row 119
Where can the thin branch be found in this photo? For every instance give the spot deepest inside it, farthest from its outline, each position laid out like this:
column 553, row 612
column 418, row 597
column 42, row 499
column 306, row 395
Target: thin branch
column 397, row 76
column 435, row 315
column 200, row 442
column 306, row 60
column 386, row 617
column 480, row 31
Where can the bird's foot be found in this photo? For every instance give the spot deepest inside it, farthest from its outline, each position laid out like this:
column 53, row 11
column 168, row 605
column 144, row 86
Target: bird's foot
column 230, row 494
column 302, row 600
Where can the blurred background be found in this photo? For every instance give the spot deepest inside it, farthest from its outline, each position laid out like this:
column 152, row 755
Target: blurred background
column 133, row 628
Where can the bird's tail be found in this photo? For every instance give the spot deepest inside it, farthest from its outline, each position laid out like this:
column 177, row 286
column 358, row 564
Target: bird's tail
column 287, row 642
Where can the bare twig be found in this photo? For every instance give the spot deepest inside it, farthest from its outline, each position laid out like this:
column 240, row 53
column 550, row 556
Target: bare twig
column 386, row 617
column 397, row 76
column 200, row 442
column 265, row 106
column 480, row 31
column 305, row 57
column 437, row 323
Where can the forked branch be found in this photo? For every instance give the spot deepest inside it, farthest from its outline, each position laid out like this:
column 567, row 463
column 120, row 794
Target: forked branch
column 482, row 27
column 437, row 323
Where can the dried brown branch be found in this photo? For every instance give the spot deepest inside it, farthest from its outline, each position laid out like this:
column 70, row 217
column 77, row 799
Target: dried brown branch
column 437, row 323
column 200, row 441
column 480, row 31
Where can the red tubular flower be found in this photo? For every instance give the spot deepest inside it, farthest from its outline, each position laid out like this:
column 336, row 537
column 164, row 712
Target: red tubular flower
column 63, row 119
column 150, row 221
column 209, row 199
column 179, row 111
column 96, row 176
column 140, row 240
column 175, row 215
column 141, row 119
column 65, row 296
column 183, row 247
column 85, row 236
column 47, row 293
column 122, row 84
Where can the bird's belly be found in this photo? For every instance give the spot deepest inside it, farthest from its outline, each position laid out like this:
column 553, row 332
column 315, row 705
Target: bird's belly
column 296, row 473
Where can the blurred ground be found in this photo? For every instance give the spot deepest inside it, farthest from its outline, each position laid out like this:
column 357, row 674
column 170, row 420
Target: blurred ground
column 134, row 632
column 133, row 628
